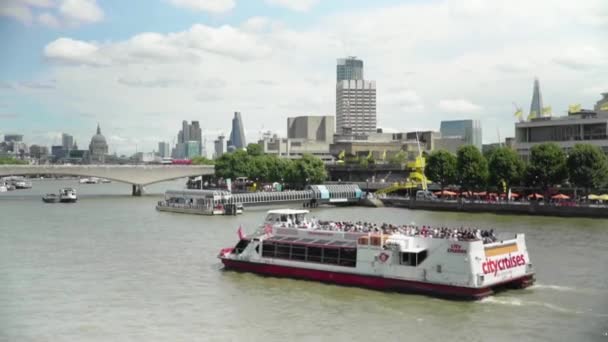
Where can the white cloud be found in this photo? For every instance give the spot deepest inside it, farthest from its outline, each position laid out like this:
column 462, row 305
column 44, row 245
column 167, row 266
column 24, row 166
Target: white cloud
column 57, row 13
column 81, row 11
column 294, row 5
column 460, row 106
column 270, row 70
column 211, row 6
column 70, row 51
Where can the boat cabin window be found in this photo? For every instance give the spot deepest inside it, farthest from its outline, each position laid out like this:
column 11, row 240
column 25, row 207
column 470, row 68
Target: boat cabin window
column 240, row 247
column 412, row 259
column 343, row 256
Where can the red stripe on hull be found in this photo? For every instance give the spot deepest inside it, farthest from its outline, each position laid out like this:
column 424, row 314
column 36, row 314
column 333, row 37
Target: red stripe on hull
column 371, row 282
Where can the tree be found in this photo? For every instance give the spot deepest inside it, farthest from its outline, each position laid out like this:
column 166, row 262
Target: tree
column 504, row 165
column 441, row 167
column 587, row 166
column 254, row 150
column 233, row 165
column 307, row 170
column 202, row 161
column 398, row 158
column 547, row 166
column 11, row 161
column 471, row 167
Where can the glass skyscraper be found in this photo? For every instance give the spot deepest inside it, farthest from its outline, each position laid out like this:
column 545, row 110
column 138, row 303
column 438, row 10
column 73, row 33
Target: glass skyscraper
column 349, row 68
column 468, row 130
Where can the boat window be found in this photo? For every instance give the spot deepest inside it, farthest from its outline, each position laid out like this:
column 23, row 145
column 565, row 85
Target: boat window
column 298, row 252
column 420, row 257
column 268, row 249
column 331, row 255
column 240, row 247
column 283, row 250
column 412, row 259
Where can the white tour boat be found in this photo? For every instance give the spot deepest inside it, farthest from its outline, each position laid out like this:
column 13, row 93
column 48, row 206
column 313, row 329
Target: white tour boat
column 67, row 195
column 443, row 262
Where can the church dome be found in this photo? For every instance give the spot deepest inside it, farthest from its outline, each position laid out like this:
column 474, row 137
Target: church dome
column 98, row 147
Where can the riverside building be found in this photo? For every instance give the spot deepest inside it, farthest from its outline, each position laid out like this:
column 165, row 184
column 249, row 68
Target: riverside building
column 355, row 98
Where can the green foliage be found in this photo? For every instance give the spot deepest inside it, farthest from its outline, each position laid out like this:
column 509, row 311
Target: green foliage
column 504, row 165
column 441, row 167
column 547, row 166
column 270, row 168
column 587, row 166
column 254, row 150
column 398, row 158
column 11, row 161
column 471, row 167
column 202, row 161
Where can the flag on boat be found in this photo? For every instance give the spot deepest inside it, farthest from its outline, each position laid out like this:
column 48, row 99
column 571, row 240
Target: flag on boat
column 240, row 233
column 268, row 229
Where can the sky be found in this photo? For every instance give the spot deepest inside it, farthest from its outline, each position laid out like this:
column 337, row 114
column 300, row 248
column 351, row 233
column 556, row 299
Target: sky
column 138, row 68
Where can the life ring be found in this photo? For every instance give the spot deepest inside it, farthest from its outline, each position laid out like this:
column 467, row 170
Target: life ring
column 383, row 257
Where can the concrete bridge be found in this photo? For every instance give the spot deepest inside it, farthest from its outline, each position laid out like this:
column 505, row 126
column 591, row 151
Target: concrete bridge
column 137, row 175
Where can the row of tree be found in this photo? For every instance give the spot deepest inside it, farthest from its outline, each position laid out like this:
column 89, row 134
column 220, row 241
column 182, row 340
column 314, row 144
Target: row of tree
column 11, row 161
column 269, row 168
column 585, row 166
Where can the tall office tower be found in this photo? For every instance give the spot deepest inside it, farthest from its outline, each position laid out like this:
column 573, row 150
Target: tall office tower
column 185, row 132
column 185, row 137
column 67, row 141
column 237, row 136
column 355, row 106
column 349, row 68
column 219, row 146
column 163, row 149
column 536, row 108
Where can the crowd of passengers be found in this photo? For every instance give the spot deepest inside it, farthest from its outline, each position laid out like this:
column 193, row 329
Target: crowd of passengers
column 460, row 234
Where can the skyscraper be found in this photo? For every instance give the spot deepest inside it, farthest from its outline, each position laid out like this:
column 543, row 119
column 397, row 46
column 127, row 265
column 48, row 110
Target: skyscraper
column 67, row 141
column 237, row 135
column 536, row 108
column 219, row 146
column 356, row 106
column 355, row 98
column 185, row 137
column 163, row 149
column 349, row 68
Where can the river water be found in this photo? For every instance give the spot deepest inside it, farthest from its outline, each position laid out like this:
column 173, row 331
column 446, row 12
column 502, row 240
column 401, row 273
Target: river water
column 111, row 268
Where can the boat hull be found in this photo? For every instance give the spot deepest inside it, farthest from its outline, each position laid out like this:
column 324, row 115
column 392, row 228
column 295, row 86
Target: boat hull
column 375, row 282
column 49, row 200
column 68, row 200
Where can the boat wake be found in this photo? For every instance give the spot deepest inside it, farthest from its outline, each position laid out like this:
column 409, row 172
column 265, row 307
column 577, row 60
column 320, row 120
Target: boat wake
column 510, row 301
column 554, row 287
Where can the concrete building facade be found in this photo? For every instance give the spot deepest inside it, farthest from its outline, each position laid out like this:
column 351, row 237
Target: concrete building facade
column 219, row 146
column 164, row 150
column 314, row 128
column 356, row 106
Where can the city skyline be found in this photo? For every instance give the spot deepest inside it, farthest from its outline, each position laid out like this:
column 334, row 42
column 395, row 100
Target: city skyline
column 67, row 69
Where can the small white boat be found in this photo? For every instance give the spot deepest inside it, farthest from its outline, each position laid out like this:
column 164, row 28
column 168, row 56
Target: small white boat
column 92, row 180
column 50, row 198
column 3, row 188
column 67, row 195
column 103, row 180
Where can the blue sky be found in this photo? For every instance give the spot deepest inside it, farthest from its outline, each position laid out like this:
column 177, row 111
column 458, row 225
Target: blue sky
column 140, row 67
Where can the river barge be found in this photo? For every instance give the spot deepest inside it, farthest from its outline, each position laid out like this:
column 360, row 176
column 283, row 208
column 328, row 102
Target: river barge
column 441, row 262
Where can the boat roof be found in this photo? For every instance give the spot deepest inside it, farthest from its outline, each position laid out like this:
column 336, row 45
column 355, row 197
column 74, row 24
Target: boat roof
column 288, row 211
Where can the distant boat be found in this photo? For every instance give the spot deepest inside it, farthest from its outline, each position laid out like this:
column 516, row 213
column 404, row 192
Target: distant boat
column 3, row 188
column 50, row 198
column 103, row 180
column 92, row 180
column 67, row 195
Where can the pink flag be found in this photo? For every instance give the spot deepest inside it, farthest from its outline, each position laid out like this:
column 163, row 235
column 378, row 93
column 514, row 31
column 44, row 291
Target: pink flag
column 240, row 233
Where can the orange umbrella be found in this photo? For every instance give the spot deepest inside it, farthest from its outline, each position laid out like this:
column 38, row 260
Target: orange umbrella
column 561, row 197
column 535, row 195
column 482, row 193
column 445, row 193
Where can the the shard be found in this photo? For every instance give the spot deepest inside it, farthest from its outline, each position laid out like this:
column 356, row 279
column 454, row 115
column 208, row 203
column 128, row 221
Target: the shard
column 237, row 136
column 536, row 108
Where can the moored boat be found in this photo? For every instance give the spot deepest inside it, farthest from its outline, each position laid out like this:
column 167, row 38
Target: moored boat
column 50, row 198
column 67, row 195
column 442, row 262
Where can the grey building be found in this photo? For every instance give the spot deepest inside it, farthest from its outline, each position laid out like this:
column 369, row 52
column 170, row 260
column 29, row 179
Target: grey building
column 98, row 148
column 314, row 128
column 67, row 141
column 164, row 149
column 356, row 106
column 585, row 126
column 188, row 133
column 349, row 68
column 467, row 131
column 219, row 146
column 13, row 138
column 237, row 135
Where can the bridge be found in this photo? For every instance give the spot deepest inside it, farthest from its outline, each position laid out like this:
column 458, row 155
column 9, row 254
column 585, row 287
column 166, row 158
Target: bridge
column 136, row 175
